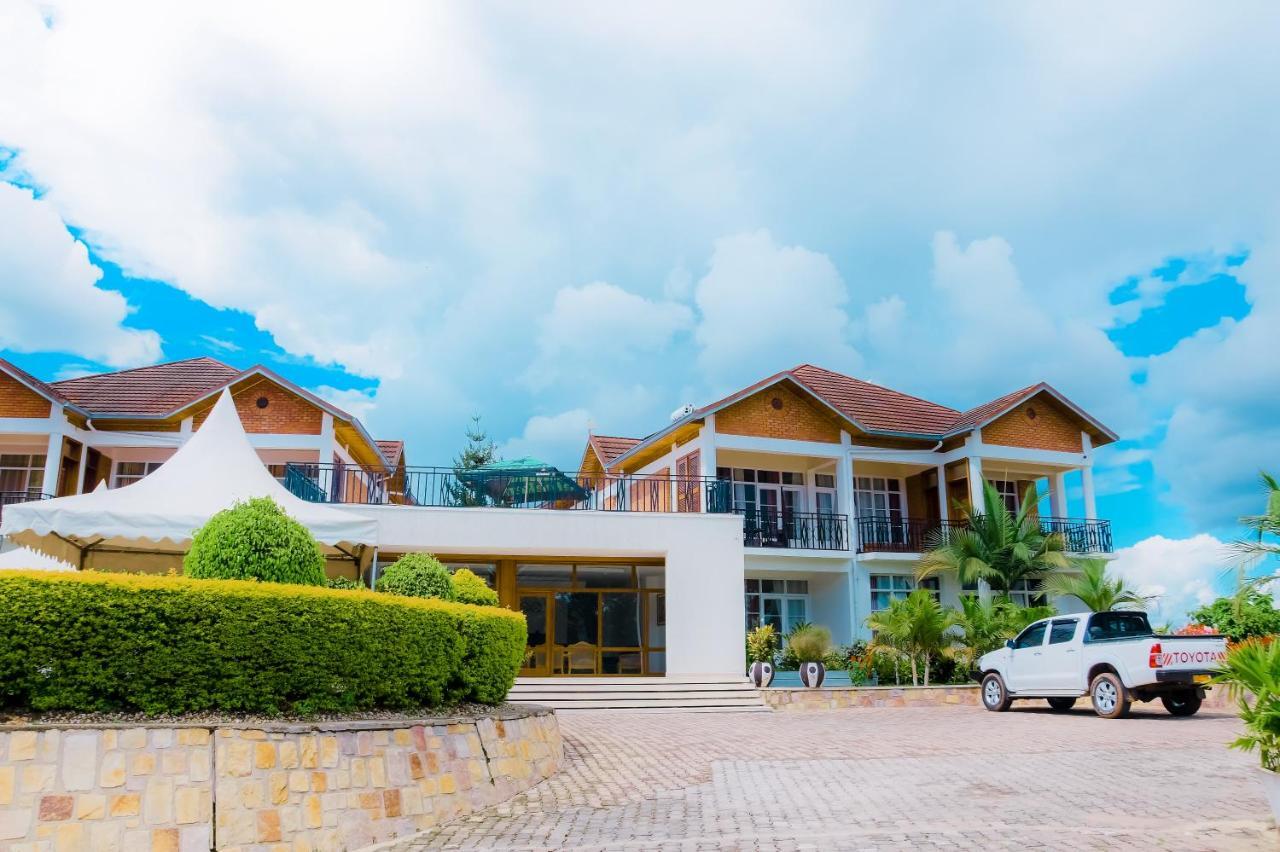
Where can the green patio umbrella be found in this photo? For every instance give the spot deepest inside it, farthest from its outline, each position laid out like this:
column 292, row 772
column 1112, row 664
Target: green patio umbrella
column 516, row 482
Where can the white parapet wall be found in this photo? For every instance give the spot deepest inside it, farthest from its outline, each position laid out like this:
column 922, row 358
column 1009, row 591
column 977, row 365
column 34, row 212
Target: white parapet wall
column 703, row 555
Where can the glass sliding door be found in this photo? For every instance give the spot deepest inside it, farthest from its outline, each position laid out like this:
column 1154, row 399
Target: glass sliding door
column 536, row 607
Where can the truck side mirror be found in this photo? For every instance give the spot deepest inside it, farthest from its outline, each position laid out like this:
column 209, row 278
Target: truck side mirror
column 1008, row 643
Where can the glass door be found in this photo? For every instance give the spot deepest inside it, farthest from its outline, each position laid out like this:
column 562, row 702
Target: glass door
column 536, row 607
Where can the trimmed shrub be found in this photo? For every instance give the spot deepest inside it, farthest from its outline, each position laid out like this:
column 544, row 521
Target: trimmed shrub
column 255, row 540
column 160, row 645
column 342, row 583
column 470, row 588
column 417, row 575
column 810, row 644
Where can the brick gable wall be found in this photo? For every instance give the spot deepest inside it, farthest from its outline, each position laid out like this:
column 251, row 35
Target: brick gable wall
column 18, row 400
column 286, row 413
column 1052, row 427
column 797, row 419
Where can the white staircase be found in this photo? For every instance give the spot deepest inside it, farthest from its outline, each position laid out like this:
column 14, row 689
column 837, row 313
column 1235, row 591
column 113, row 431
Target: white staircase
column 677, row 693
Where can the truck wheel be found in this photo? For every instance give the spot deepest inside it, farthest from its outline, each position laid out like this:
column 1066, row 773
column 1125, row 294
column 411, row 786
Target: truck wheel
column 1110, row 698
column 1181, row 703
column 1062, row 704
column 994, row 696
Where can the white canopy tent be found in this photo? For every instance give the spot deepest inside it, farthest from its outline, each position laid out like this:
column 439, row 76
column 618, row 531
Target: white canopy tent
column 159, row 514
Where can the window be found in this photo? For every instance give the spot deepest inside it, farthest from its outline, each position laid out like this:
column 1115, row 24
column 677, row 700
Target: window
column 824, row 493
column 886, row 588
column 782, row 603
column 1062, row 631
column 1117, row 625
column 277, row 472
column 21, row 473
column 128, row 473
column 1028, row 593
column 1008, row 492
column 1032, row 637
column 877, row 497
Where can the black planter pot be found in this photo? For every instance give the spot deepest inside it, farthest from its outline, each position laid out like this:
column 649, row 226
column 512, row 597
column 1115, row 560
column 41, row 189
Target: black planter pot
column 761, row 674
column 812, row 674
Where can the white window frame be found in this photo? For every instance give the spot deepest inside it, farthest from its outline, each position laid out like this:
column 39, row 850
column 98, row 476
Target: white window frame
column 119, row 480
column 32, row 468
column 1025, row 591
column 1008, row 491
column 899, row 586
column 878, row 486
column 783, row 598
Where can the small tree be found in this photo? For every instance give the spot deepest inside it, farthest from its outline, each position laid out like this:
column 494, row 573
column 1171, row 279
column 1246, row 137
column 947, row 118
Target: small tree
column 417, row 575
column 255, row 540
column 916, row 627
column 1095, row 589
column 762, row 644
column 470, row 588
column 810, row 643
column 1243, row 616
column 478, row 452
column 983, row 626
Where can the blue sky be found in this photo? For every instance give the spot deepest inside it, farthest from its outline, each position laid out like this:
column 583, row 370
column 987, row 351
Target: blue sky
column 572, row 217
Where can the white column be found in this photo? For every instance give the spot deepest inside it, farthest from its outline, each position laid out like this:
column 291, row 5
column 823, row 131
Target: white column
column 844, row 505
column 184, row 428
column 326, row 438
column 53, row 454
column 1086, row 478
column 708, row 455
column 943, row 512
column 84, row 458
column 1058, row 495
column 671, row 481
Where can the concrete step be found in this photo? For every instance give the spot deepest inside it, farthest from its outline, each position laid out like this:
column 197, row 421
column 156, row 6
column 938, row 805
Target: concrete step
column 697, row 693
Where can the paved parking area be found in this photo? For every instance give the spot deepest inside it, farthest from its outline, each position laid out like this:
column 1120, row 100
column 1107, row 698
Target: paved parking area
column 946, row 777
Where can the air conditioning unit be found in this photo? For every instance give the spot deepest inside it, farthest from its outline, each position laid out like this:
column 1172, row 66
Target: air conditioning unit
column 682, row 411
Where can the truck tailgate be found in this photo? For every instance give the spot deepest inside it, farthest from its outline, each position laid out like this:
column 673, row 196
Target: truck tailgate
column 1187, row 653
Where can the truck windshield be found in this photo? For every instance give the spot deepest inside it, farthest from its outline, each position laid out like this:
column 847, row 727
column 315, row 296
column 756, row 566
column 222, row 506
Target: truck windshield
column 1117, row 625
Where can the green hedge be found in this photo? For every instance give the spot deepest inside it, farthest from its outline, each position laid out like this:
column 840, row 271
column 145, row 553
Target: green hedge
column 160, row 645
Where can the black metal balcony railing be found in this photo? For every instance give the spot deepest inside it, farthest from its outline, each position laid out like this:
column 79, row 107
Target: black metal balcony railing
column 915, row 535
column 809, row 530
column 8, row 498
column 544, row 489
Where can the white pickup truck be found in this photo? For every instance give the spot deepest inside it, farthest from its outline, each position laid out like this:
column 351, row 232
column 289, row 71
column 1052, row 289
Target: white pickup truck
column 1113, row 657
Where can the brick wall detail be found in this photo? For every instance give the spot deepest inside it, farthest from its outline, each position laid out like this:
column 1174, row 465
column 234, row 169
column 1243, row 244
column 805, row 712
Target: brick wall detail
column 843, row 698
column 286, row 413
column 293, row 787
column 1052, row 428
column 799, row 418
column 18, row 400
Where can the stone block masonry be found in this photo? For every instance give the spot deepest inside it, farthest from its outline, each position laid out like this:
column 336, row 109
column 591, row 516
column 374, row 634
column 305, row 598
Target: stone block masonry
column 331, row 786
column 842, row 698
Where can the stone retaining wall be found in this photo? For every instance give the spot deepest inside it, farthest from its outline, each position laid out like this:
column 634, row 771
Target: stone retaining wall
column 330, row 786
column 843, row 697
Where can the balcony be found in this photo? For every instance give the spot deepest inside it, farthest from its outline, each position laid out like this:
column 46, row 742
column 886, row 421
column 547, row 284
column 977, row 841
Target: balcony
column 915, row 535
column 544, row 488
column 795, row 530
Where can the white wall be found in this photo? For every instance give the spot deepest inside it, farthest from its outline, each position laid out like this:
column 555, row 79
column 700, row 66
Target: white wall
column 703, row 554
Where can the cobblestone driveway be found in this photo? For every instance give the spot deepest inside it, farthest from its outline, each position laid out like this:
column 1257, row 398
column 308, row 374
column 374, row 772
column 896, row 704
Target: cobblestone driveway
column 947, row 777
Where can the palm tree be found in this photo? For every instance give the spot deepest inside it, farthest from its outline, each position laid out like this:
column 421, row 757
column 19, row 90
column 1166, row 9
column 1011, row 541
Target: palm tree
column 1094, row 589
column 996, row 545
column 889, row 634
column 917, row 627
column 1268, row 523
column 983, row 626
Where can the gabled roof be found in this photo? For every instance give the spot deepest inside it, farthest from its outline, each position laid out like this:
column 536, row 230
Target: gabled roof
column 153, row 391
column 872, row 408
column 392, row 451
column 609, row 447
column 45, row 389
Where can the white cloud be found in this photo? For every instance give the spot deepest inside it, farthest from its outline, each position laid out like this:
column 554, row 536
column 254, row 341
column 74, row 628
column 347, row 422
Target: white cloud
column 601, row 325
column 557, row 438
column 50, row 301
column 1183, row 573
column 359, row 404
column 765, row 307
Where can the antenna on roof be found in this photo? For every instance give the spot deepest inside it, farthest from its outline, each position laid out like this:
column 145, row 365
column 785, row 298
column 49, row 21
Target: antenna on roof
column 681, row 412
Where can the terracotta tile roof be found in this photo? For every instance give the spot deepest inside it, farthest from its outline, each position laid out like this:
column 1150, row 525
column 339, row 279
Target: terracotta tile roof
column 391, row 451
column 984, row 412
column 147, row 391
column 609, row 447
column 874, row 407
column 30, row 380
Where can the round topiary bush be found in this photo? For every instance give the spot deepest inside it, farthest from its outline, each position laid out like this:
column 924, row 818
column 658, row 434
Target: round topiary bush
column 255, row 540
column 470, row 588
column 417, row 575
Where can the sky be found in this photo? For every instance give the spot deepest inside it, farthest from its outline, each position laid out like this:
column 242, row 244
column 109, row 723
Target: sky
column 572, row 216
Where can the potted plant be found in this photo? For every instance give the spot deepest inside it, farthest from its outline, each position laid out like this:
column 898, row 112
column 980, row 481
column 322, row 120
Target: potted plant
column 1251, row 674
column 811, row 644
column 762, row 645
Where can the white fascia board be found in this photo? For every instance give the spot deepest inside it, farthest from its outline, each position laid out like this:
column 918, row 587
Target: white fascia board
column 30, row 426
column 928, row 458
column 783, row 446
